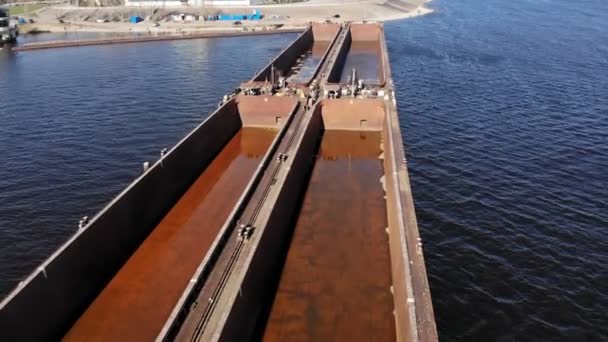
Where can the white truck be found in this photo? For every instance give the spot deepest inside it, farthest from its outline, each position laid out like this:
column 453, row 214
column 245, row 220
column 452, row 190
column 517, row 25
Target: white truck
column 8, row 28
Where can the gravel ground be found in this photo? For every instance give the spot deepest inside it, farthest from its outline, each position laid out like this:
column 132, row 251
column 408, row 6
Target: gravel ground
column 294, row 15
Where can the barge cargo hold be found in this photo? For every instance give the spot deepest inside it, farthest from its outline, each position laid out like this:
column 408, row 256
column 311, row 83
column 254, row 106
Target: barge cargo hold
column 286, row 215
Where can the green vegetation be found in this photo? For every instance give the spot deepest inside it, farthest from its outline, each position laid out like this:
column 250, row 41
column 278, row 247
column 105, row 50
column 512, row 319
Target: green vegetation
column 25, row 9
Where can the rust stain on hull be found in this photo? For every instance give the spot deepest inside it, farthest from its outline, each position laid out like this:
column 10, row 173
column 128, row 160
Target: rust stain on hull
column 137, row 301
column 335, row 284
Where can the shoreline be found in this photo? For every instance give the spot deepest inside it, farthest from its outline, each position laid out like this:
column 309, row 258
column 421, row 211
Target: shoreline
column 175, row 29
column 277, row 17
column 142, row 39
column 420, row 11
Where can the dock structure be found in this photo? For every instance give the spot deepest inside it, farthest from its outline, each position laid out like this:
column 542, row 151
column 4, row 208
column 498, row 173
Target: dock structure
column 286, row 215
column 146, row 38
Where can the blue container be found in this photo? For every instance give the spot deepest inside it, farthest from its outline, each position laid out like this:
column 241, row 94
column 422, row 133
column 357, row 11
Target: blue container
column 232, row 17
column 136, row 19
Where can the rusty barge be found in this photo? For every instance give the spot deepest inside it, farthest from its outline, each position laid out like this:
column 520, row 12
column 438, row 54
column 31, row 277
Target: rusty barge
column 287, row 215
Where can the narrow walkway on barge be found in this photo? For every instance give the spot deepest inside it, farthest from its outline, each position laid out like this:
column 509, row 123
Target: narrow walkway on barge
column 335, row 284
column 138, row 300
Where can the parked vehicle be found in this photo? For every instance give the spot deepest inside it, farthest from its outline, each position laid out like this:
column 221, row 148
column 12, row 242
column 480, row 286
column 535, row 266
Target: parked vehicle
column 8, row 28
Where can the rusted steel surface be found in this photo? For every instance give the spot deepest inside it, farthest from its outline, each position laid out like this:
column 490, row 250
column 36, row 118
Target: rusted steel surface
column 336, row 280
column 364, row 57
column 322, row 34
column 325, row 31
column 322, row 293
column 264, row 111
column 171, row 254
column 361, row 49
column 125, row 40
column 196, row 325
column 366, row 32
column 351, row 114
column 413, row 305
column 250, row 290
column 300, row 227
column 306, row 67
column 283, row 62
column 52, row 297
column 138, row 300
column 190, row 308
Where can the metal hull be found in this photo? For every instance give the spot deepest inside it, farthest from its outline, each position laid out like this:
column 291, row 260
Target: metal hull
column 310, row 235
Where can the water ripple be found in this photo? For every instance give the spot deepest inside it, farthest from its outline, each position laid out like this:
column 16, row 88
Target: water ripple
column 504, row 113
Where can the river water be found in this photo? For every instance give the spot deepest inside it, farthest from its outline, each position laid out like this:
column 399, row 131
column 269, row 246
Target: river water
column 504, row 109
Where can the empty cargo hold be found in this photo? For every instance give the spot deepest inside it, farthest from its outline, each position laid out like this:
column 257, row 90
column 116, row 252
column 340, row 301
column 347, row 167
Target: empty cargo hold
column 140, row 297
column 138, row 300
column 361, row 51
column 307, row 64
column 120, row 276
column 286, row 215
column 338, row 262
column 348, row 264
column 309, row 50
column 335, row 284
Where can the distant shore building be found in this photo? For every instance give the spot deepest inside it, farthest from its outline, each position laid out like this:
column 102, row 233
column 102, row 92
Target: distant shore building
column 171, row 3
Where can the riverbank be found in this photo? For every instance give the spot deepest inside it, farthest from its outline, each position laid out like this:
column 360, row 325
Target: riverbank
column 139, row 39
column 285, row 16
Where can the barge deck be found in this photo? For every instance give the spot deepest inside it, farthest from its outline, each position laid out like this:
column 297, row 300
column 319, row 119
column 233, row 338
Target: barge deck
column 286, row 215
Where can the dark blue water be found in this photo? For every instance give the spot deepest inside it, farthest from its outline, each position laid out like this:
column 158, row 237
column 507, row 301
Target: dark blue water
column 77, row 123
column 504, row 109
